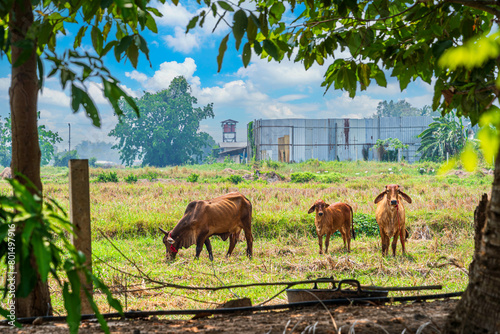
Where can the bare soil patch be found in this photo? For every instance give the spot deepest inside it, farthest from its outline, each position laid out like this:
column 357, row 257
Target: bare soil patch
column 363, row 319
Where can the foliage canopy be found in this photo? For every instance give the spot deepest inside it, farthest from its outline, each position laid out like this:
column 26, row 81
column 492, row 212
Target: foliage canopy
column 167, row 133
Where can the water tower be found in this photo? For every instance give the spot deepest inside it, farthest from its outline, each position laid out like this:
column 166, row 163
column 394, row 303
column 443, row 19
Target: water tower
column 229, row 131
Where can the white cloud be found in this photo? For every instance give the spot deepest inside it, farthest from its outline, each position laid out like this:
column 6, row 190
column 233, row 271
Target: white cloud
column 54, row 97
column 167, row 72
column 283, row 75
column 390, row 91
column 178, row 17
column 343, row 106
column 173, row 15
column 420, row 101
column 182, row 42
column 140, row 77
column 292, row 97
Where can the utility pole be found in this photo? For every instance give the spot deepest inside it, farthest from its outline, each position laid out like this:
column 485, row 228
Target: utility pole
column 69, row 141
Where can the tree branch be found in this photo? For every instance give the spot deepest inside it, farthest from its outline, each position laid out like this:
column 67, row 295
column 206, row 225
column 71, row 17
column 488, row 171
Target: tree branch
column 482, row 5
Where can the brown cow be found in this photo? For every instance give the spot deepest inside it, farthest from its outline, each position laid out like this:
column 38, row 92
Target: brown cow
column 224, row 216
column 390, row 215
column 332, row 218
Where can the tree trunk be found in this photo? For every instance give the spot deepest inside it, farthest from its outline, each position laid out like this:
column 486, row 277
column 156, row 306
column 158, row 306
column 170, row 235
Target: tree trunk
column 479, row 309
column 26, row 154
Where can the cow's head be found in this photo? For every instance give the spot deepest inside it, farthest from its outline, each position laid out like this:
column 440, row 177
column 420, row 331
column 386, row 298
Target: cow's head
column 392, row 191
column 319, row 206
column 169, row 243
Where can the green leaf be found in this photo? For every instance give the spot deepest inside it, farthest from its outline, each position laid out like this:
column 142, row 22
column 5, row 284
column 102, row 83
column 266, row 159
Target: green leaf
column 240, row 22
column 143, row 46
column 133, row 54
column 108, row 47
column 257, row 47
column 192, row 23
column 469, row 158
column 151, row 23
column 270, row 48
column 76, row 97
column 113, row 93
column 251, row 29
column 446, row 167
column 364, row 73
column 224, row 5
column 72, row 304
column 97, row 40
column 42, row 255
column 122, row 46
column 222, row 50
column 247, row 54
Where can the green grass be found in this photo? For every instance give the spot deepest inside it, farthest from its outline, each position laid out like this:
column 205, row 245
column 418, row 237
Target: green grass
column 285, row 245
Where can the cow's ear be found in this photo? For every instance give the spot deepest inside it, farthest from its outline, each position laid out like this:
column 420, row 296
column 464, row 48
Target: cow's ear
column 379, row 197
column 405, row 197
column 312, row 208
column 326, row 205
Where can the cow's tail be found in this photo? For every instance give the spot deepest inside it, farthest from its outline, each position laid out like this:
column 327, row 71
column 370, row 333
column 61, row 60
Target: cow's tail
column 352, row 223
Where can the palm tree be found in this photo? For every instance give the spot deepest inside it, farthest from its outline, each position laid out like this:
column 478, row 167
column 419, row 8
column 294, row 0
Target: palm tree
column 444, row 136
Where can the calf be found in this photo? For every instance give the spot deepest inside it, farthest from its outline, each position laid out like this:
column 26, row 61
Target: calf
column 224, row 216
column 332, row 218
column 390, row 215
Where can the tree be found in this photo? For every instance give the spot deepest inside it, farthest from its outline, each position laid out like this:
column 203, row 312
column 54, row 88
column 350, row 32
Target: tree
column 454, row 42
column 28, row 30
column 62, row 159
column 446, row 136
column 167, row 131
column 388, row 149
column 46, row 139
column 398, row 109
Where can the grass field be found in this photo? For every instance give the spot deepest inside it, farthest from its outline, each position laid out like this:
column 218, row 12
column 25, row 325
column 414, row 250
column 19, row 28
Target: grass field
column 285, row 246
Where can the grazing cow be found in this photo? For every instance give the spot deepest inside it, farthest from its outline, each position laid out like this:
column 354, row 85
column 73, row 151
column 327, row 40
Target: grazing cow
column 332, row 218
column 224, row 216
column 390, row 215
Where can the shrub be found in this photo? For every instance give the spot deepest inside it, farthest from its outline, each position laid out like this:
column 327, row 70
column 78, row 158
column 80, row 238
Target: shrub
column 235, row 179
column 92, row 161
column 302, row 177
column 193, row 177
column 330, row 178
column 150, row 175
column 131, row 178
column 107, row 177
column 365, row 224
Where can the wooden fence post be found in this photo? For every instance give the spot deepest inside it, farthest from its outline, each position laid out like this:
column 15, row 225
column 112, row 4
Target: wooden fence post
column 79, row 198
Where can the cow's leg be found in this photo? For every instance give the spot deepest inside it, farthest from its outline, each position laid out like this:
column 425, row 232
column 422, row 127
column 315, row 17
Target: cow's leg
column 394, row 244
column 402, row 237
column 342, row 232
column 320, row 242
column 327, row 242
column 246, row 222
column 346, row 235
column 209, row 249
column 199, row 243
column 249, row 238
column 385, row 243
column 233, row 238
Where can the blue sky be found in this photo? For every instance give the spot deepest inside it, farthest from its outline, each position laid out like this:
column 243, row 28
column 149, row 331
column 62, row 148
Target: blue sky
column 262, row 90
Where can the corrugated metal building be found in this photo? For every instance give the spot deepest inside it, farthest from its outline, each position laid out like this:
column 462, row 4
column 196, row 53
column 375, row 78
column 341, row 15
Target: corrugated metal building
column 296, row 140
